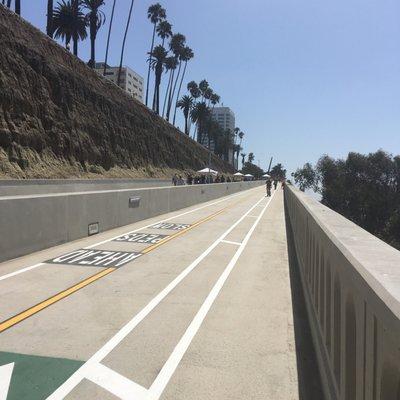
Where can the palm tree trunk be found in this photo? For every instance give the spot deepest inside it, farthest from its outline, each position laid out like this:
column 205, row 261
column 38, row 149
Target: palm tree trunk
column 108, row 38
column 173, row 91
column 49, row 27
column 67, row 40
column 75, row 34
column 123, row 43
column 93, row 29
column 186, row 123
column 166, row 93
column 158, row 100
column 195, row 132
column 75, row 45
column 148, row 71
column 179, row 91
column 170, row 96
column 154, row 96
column 18, row 7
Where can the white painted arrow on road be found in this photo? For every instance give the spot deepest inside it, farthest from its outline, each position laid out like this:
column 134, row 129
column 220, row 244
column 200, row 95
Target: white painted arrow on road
column 5, row 379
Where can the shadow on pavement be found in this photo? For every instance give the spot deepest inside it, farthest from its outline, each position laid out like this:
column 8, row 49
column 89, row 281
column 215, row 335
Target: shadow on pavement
column 309, row 379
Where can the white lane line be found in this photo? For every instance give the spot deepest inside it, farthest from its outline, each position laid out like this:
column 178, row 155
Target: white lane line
column 26, row 269
column 230, row 242
column 80, row 374
column 159, row 384
column 115, row 383
column 20, row 271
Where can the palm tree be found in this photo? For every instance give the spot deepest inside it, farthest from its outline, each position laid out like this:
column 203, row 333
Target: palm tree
column 80, row 31
column 49, row 26
column 187, row 54
column 67, row 23
column 199, row 115
column 186, row 104
column 251, row 157
column 177, row 44
column 194, row 90
column 236, row 149
column 155, row 14
column 157, row 60
column 164, row 30
column 215, row 99
column 203, row 86
column 243, row 157
column 18, row 7
column 170, row 65
column 108, row 38
column 96, row 18
column 241, row 135
column 208, row 94
column 123, row 42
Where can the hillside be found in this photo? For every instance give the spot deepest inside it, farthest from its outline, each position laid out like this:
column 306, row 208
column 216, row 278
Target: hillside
column 58, row 118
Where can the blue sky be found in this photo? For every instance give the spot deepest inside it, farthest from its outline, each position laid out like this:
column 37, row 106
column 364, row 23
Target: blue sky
column 304, row 78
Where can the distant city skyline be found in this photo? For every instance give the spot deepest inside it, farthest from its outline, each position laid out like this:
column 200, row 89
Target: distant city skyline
column 304, row 79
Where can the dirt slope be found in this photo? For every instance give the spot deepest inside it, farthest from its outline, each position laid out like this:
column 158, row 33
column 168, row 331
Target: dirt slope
column 58, row 118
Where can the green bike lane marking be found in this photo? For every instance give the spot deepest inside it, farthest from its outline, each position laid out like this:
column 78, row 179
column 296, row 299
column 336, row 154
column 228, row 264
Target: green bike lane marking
column 34, row 377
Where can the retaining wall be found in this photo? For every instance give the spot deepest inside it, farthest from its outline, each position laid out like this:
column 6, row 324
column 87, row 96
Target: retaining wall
column 16, row 187
column 351, row 282
column 34, row 222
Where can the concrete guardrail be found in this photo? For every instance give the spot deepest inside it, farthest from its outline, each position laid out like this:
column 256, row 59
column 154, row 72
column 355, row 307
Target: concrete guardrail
column 351, row 282
column 30, row 223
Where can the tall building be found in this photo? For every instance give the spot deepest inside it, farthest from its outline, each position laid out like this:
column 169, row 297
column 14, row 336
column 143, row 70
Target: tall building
column 226, row 120
column 130, row 81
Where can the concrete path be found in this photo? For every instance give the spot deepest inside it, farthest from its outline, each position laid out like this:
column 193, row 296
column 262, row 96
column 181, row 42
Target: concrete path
column 195, row 304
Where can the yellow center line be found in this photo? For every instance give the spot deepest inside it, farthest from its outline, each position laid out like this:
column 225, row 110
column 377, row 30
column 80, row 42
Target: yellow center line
column 67, row 292
column 46, row 303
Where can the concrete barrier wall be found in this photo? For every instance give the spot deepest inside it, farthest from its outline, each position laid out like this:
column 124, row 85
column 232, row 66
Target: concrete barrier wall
column 351, row 282
column 35, row 222
column 14, row 187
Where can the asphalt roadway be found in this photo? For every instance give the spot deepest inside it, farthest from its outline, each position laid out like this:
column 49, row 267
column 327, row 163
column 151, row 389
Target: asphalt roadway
column 195, row 304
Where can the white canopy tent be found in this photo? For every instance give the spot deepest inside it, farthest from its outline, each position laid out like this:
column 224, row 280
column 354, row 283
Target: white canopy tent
column 207, row 171
column 266, row 176
column 238, row 174
column 249, row 176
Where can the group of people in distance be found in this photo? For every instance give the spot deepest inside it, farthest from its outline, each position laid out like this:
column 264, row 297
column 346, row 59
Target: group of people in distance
column 177, row 180
column 269, row 182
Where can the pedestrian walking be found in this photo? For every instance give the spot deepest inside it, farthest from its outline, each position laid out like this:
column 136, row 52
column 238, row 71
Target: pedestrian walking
column 175, row 179
column 268, row 185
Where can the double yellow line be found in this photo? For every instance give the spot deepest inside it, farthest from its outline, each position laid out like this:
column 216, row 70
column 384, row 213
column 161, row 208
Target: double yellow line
column 8, row 323
column 67, row 292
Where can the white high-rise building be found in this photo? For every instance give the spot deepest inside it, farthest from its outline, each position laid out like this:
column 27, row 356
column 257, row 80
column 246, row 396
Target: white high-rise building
column 130, row 81
column 226, row 120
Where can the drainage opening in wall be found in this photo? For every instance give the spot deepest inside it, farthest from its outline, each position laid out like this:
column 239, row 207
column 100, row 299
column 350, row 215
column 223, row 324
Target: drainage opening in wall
column 93, row 228
column 134, row 202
